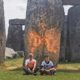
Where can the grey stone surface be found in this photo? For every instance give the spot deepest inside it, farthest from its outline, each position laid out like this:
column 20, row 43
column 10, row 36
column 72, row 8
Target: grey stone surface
column 63, row 41
column 44, row 22
column 17, row 21
column 71, row 2
column 73, row 41
column 9, row 53
column 2, row 33
column 15, row 38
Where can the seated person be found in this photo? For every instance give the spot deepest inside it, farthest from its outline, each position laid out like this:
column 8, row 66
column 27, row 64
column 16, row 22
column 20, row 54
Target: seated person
column 47, row 67
column 30, row 65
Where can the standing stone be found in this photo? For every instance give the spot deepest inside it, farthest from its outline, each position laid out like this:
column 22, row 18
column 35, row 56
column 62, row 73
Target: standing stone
column 2, row 33
column 15, row 35
column 63, row 41
column 44, row 21
column 73, row 42
column 71, row 2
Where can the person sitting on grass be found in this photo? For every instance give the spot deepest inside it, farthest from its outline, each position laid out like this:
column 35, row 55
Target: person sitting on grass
column 47, row 67
column 30, row 65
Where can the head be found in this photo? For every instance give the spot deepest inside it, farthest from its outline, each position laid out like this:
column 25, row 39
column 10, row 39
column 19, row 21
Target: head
column 30, row 56
column 46, row 58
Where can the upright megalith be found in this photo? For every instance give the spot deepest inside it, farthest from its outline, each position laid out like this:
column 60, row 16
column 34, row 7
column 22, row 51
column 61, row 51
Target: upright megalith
column 15, row 39
column 73, row 34
column 71, row 2
column 2, row 33
column 44, row 22
column 63, row 41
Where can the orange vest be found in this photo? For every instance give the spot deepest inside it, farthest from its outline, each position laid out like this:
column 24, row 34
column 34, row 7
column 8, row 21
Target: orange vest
column 31, row 64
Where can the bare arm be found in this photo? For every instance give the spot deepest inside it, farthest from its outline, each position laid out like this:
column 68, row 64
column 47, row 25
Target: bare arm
column 52, row 69
column 34, row 66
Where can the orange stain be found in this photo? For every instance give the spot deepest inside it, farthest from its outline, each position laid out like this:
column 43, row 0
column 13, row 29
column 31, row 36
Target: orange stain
column 34, row 41
column 49, row 37
column 51, row 40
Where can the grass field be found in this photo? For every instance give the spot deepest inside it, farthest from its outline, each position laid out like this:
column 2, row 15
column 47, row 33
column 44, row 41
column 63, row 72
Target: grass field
column 12, row 71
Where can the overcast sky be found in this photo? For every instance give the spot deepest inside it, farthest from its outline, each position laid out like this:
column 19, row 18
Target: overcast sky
column 17, row 9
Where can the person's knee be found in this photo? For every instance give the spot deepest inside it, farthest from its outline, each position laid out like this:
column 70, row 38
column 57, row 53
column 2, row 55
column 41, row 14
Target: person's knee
column 53, row 72
column 24, row 68
column 42, row 72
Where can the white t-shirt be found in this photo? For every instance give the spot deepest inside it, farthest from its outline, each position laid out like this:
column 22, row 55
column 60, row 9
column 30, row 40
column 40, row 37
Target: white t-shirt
column 30, row 63
column 46, row 65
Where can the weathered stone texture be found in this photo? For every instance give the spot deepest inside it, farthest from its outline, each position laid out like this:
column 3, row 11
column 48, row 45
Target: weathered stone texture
column 63, row 41
column 15, row 38
column 43, row 28
column 71, row 2
column 73, row 41
column 2, row 32
column 17, row 21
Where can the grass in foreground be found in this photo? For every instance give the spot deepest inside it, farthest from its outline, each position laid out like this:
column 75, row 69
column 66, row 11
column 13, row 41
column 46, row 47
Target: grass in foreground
column 17, row 74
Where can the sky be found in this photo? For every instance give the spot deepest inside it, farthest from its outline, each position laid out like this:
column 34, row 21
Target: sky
column 17, row 9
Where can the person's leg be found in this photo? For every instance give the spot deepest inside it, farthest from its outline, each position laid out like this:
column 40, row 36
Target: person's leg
column 47, row 72
column 36, row 70
column 27, row 72
column 52, row 72
column 42, row 72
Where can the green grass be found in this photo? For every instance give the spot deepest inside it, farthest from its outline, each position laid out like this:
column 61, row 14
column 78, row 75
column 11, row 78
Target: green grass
column 17, row 74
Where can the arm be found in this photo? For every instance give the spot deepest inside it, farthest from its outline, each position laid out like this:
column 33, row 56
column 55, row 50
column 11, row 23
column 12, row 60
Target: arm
column 42, row 66
column 52, row 67
column 26, row 63
column 35, row 64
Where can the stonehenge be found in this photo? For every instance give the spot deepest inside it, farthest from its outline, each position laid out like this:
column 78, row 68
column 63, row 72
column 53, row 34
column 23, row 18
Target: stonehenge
column 73, row 27
column 44, row 18
column 63, row 41
column 15, row 39
column 2, row 33
column 44, row 22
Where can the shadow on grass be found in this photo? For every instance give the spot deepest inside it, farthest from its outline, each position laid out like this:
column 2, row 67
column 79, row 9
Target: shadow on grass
column 69, row 71
column 17, row 69
column 78, row 62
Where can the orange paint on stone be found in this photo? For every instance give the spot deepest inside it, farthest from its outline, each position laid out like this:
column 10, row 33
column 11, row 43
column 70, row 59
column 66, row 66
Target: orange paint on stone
column 34, row 41
column 51, row 40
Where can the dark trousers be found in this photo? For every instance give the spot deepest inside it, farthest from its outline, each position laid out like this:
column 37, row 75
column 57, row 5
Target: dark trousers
column 51, row 72
column 28, row 72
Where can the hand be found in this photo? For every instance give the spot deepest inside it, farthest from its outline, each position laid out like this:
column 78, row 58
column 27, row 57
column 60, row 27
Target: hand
column 33, row 71
column 47, row 70
column 42, row 69
column 29, row 70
